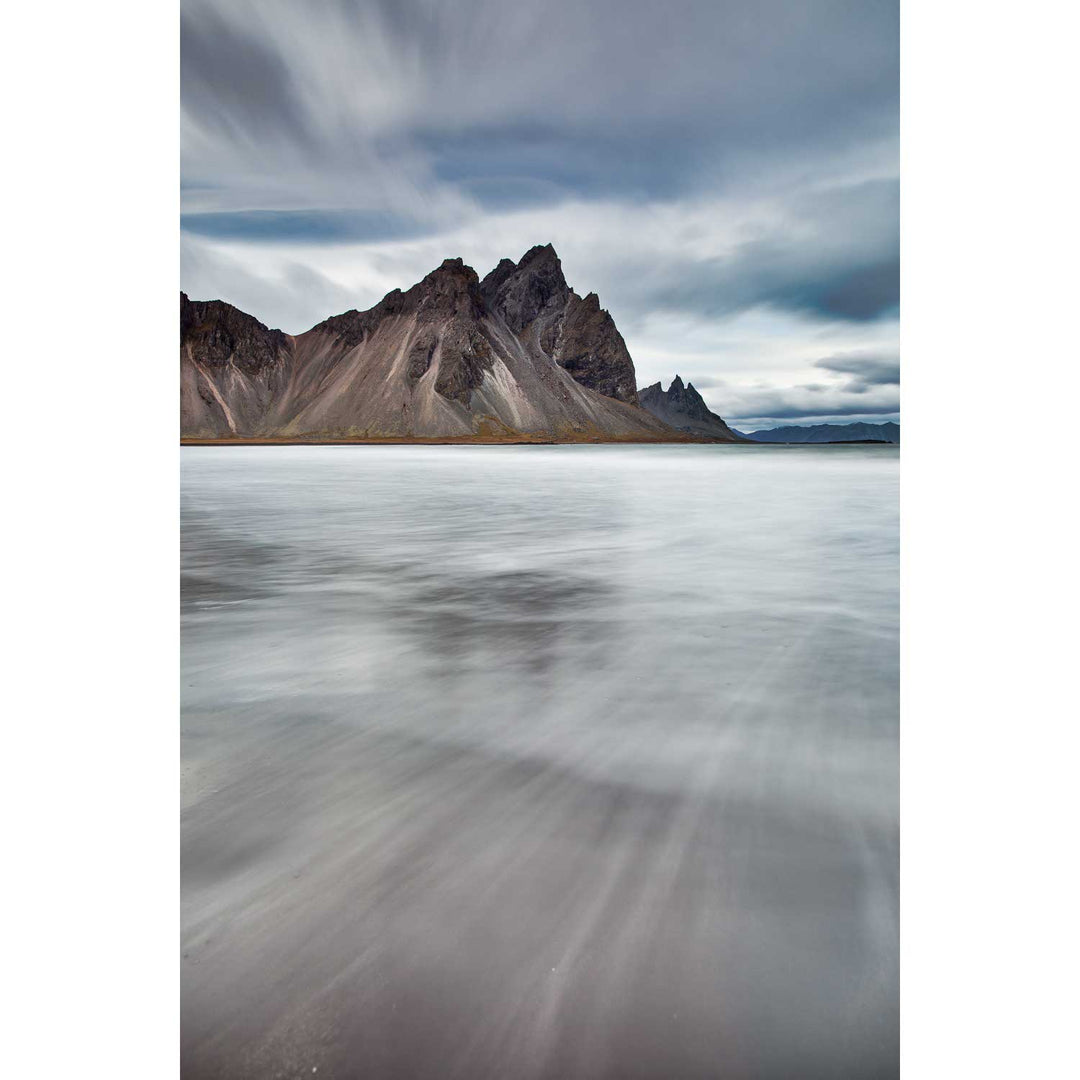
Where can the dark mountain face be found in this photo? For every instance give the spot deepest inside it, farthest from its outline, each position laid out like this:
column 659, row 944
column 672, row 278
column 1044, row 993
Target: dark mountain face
column 220, row 334
column 826, row 433
column 450, row 293
column 522, row 294
column 533, row 299
column 232, row 368
column 591, row 348
column 682, row 408
column 520, row 352
column 451, row 290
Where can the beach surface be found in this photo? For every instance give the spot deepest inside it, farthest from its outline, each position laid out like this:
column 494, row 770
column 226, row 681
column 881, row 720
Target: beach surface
column 539, row 762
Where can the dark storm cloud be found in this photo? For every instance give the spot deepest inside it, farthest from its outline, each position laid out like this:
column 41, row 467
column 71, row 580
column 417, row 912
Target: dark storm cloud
column 834, row 255
column 865, row 293
column 587, row 163
column 851, row 288
column 787, row 406
column 301, row 226
column 753, row 72
column 866, row 371
column 611, row 96
column 236, row 82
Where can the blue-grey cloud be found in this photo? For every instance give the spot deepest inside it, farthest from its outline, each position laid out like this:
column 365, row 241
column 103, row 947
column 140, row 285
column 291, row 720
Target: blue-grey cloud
column 632, row 96
column 303, row 226
column 236, row 82
column 835, row 255
column 795, row 412
column 865, row 371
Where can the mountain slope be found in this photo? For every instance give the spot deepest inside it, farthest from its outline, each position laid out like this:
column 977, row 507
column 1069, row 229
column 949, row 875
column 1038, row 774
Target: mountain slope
column 824, row 433
column 521, row 353
column 682, row 408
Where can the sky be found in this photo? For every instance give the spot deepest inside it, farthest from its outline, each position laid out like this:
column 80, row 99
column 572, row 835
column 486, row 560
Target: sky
column 724, row 174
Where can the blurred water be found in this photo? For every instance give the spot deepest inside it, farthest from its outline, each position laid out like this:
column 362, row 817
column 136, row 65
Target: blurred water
column 539, row 761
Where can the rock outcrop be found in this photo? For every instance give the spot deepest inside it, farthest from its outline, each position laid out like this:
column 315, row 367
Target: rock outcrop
column 232, row 368
column 534, row 300
column 517, row 354
column 683, row 408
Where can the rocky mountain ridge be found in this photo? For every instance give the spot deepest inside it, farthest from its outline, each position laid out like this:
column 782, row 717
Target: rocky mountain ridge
column 683, row 408
column 519, row 353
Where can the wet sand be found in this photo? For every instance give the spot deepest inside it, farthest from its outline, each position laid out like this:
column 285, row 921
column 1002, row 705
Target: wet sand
column 539, row 762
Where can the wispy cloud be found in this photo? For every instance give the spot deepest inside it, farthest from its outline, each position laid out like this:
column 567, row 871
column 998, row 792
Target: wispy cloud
column 865, row 371
column 699, row 164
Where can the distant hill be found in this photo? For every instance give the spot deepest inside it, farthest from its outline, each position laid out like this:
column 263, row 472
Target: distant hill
column 682, row 408
column 827, row 433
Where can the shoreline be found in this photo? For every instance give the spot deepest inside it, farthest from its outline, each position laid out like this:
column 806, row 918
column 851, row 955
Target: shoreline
column 457, row 440
column 520, row 440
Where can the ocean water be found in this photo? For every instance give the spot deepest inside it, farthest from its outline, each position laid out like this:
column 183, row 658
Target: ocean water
column 539, row 761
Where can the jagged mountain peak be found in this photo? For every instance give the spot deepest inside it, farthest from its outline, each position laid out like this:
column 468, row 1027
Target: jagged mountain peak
column 451, row 289
column 497, row 276
column 683, row 408
column 540, row 254
column 686, row 394
column 533, row 299
column 452, row 270
column 522, row 292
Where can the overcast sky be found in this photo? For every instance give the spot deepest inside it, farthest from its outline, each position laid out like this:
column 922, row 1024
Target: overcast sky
column 724, row 174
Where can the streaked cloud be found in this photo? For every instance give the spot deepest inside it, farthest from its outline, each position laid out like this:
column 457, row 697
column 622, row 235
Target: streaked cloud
column 865, row 371
column 723, row 174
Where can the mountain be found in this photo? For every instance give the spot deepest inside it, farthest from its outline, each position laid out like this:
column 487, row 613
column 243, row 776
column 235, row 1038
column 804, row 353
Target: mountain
column 682, row 408
column 519, row 353
column 825, row 433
